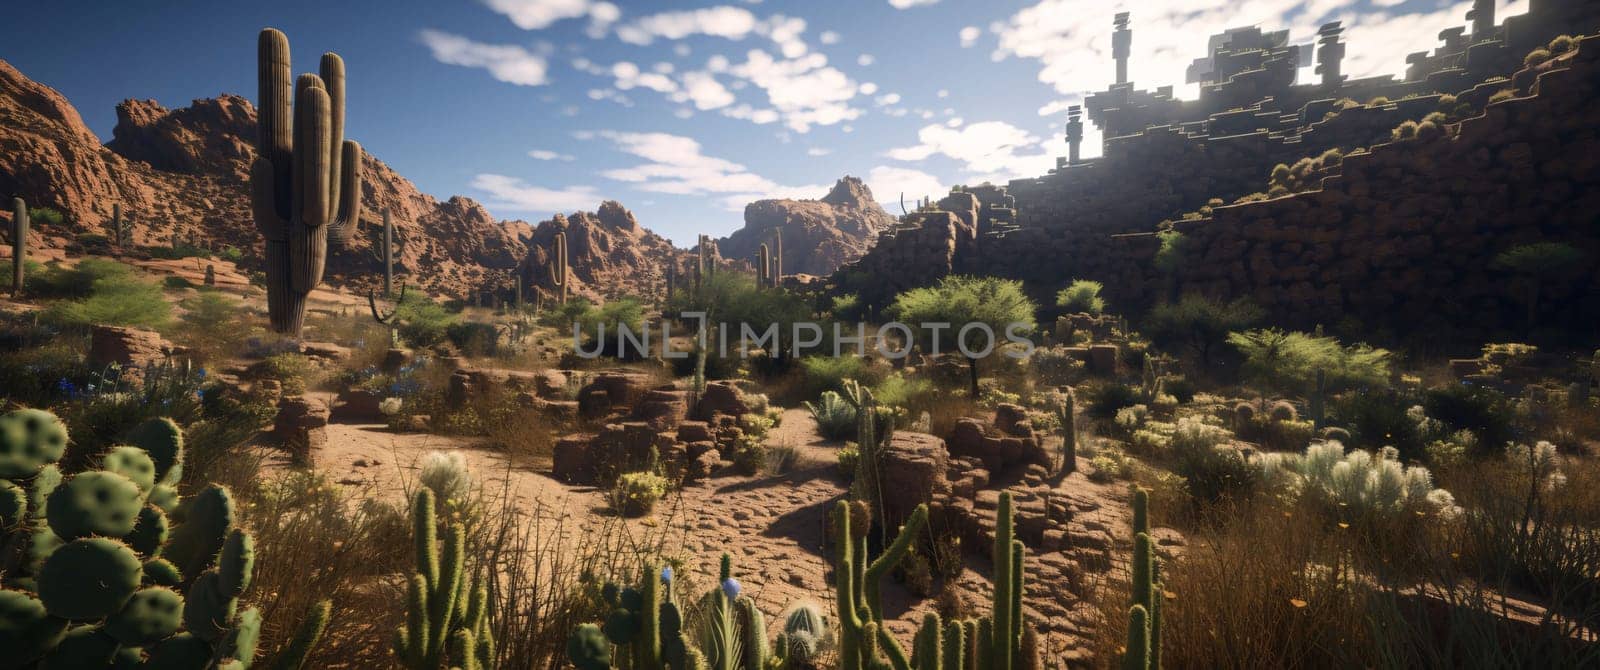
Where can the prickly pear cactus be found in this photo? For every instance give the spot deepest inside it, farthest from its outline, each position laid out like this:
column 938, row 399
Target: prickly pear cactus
column 93, row 574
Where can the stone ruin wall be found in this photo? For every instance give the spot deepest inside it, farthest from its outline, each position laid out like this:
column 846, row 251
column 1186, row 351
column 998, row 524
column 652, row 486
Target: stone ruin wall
column 1405, row 235
column 1094, row 219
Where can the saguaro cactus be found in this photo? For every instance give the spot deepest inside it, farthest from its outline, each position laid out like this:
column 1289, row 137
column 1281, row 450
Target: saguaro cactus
column 1144, row 614
column 856, row 590
column 764, row 268
column 119, row 226
column 19, row 243
column 558, row 266
column 306, row 180
column 777, row 258
column 1069, row 433
column 384, row 254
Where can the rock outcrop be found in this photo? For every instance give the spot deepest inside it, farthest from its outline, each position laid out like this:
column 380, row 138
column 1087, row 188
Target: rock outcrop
column 818, row 235
column 183, row 174
column 609, row 254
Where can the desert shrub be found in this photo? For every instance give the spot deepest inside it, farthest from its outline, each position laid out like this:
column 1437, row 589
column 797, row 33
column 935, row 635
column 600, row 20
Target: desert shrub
column 836, row 418
column 231, row 253
column 473, row 338
column 1212, row 470
column 828, row 373
column 99, row 291
column 1380, row 418
column 1131, row 418
column 847, row 307
column 1290, row 360
column 1502, row 96
column 1082, row 295
column 1378, row 101
column 1105, row 400
column 900, row 390
column 1562, row 44
column 423, row 322
column 1054, row 366
column 446, row 474
column 783, row 459
column 1485, row 413
column 210, row 322
column 1251, row 197
column 1169, row 256
column 1536, row 58
column 1198, row 323
column 608, row 319
column 1358, row 484
column 960, row 301
column 1407, row 130
column 636, row 493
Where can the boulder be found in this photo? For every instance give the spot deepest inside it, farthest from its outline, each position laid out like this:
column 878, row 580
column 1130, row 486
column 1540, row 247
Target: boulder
column 913, row 473
column 721, row 398
column 663, row 408
column 572, row 460
column 301, row 424
column 325, row 350
column 1103, row 358
column 358, row 405
column 127, row 347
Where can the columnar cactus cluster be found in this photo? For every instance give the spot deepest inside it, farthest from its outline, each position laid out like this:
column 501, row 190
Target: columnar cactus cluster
column 19, row 243
column 558, row 266
column 447, row 611
column 769, row 263
column 305, row 183
column 94, row 573
column 1144, row 616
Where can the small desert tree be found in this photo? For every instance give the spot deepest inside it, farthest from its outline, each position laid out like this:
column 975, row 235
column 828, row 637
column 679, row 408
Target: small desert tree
column 1199, row 323
column 957, row 302
column 1082, row 295
column 1537, row 264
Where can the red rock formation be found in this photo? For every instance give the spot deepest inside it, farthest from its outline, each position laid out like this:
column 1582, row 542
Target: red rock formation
column 609, row 254
column 818, row 235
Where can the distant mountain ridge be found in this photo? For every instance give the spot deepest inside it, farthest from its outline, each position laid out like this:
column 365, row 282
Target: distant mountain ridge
column 818, row 235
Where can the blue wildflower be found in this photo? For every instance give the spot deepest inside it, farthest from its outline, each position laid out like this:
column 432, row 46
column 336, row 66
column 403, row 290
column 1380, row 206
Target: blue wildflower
column 666, row 574
column 731, row 588
column 200, row 373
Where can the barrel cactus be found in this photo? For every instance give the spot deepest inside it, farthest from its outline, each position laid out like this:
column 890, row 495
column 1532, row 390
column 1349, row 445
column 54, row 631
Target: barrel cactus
column 91, row 578
column 305, row 184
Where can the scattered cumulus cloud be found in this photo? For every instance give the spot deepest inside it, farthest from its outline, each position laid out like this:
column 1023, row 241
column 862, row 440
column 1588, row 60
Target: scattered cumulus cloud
column 889, row 183
column 540, row 14
column 677, row 165
column 513, row 194
column 866, row 60
column 506, row 62
column 828, row 37
column 806, row 91
column 547, row 155
column 986, row 148
column 818, row 151
column 907, row 4
column 969, row 36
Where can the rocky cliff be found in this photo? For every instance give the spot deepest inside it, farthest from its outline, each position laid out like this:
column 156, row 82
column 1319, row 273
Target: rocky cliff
column 609, row 254
column 183, row 174
column 818, row 235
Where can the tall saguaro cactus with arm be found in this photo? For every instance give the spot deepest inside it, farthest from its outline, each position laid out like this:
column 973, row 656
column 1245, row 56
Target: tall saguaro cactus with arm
column 306, row 181
column 558, row 266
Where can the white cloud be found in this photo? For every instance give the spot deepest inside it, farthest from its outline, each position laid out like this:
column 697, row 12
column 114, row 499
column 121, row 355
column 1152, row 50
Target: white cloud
column 547, row 155
column 540, row 14
column 867, row 88
column 506, row 62
column 969, row 36
column 513, row 194
column 629, row 77
column 806, row 91
column 887, row 99
column 675, row 165
column 866, row 60
column 889, row 183
column 828, row 37
column 703, row 89
column 1056, row 107
column 818, row 151
column 954, row 123
column 907, row 4
column 759, row 117
column 733, row 23
column 1071, row 39
column 984, row 148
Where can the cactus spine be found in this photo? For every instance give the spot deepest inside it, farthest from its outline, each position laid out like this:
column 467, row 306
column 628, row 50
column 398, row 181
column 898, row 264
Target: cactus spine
column 19, row 243
column 558, row 266
column 446, row 612
column 306, row 179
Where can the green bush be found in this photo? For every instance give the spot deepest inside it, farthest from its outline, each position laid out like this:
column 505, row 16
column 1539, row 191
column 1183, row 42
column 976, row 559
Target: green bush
column 636, row 493
column 1380, row 418
column 473, row 338
column 827, row 373
column 1536, row 58
column 1199, row 324
column 1488, row 414
column 1105, row 400
column 898, row 390
column 1082, row 295
column 423, row 322
column 112, row 296
column 1289, row 361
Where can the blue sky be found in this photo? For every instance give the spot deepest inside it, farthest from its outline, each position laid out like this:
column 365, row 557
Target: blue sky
column 684, row 111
